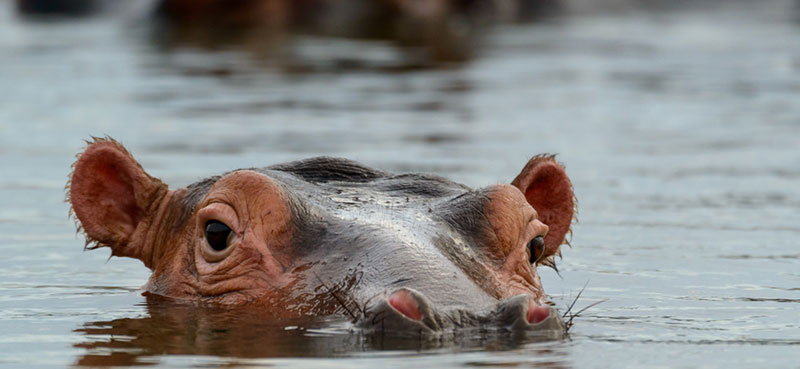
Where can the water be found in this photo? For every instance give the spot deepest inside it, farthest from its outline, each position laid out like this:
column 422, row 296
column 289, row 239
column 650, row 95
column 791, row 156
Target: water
column 679, row 126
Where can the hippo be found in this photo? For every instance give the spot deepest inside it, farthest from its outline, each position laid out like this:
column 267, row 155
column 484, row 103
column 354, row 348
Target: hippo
column 282, row 12
column 328, row 237
column 57, row 7
column 426, row 33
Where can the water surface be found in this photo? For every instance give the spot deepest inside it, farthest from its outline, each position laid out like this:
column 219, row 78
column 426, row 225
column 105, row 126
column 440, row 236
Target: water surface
column 679, row 125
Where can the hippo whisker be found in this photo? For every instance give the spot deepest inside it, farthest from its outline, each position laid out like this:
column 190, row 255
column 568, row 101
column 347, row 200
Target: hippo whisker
column 399, row 281
column 568, row 324
column 338, row 299
column 572, row 305
column 573, row 316
column 366, row 305
column 379, row 315
column 551, row 262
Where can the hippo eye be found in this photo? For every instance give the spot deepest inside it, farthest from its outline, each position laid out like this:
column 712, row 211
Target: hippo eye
column 217, row 235
column 536, row 249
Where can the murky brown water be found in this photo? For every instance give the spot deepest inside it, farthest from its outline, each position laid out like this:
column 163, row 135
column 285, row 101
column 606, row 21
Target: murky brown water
column 679, row 126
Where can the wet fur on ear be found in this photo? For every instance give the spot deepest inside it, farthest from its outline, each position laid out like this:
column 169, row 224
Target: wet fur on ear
column 109, row 195
column 547, row 188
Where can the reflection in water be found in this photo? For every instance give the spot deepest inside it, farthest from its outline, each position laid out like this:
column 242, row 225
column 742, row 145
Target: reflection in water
column 679, row 123
column 57, row 7
column 184, row 329
column 428, row 33
column 172, row 328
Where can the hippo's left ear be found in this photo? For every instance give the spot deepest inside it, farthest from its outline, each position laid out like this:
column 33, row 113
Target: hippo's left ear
column 548, row 189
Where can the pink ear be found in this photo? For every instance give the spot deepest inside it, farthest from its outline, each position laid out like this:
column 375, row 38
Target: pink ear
column 548, row 189
column 110, row 195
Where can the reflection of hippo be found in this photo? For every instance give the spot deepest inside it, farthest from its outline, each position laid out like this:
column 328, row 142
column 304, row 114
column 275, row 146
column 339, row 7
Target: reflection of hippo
column 56, row 7
column 170, row 329
column 323, row 237
column 429, row 31
column 282, row 11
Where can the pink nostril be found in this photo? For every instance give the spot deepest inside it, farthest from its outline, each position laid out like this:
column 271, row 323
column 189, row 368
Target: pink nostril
column 536, row 313
column 406, row 304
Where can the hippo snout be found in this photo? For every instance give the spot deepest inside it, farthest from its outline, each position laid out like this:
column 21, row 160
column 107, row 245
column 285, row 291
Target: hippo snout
column 407, row 312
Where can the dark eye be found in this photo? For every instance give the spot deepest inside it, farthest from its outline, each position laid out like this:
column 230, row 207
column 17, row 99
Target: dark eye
column 536, row 248
column 217, row 235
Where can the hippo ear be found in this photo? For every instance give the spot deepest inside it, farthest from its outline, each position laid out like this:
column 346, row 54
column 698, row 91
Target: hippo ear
column 548, row 189
column 111, row 196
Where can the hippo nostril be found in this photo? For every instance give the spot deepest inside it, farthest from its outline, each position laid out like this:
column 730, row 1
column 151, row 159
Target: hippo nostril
column 405, row 303
column 537, row 313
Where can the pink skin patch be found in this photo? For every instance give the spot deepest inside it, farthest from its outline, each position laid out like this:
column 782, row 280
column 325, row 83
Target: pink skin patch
column 403, row 302
column 536, row 313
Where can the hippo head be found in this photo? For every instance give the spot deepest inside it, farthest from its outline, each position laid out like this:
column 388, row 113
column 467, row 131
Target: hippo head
column 326, row 237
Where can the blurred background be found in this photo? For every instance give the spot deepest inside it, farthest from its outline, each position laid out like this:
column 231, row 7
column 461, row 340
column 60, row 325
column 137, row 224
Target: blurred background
column 678, row 122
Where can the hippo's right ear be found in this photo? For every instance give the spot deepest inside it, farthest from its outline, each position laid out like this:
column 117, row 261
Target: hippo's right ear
column 111, row 195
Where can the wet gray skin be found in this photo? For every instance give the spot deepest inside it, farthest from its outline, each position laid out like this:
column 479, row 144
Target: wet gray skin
column 366, row 234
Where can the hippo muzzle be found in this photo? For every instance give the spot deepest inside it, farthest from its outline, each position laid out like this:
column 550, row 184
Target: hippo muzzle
column 406, row 312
